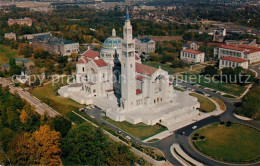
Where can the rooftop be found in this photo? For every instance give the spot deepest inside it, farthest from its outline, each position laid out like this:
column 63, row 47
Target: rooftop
column 91, row 54
column 233, row 59
column 192, row 51
column 144, row 69
column 244, row 48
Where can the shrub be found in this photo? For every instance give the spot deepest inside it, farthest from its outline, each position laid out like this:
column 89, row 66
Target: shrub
column 221, row 122
column 202, row 137
column 228, row 123
column 196, row 134
column 194, row 138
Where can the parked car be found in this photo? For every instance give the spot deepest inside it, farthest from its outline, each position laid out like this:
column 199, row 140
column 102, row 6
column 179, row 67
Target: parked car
column 119, row 131
column 128, row 137
column 194, row 127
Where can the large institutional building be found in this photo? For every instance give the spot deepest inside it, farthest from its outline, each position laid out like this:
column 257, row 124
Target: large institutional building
column 55, row 46
column 233, row 55
column 20, row 21
column 116, row 81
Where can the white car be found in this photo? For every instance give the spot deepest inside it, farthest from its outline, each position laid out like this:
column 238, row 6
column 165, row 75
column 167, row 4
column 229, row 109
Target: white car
column 128, row 137
column 194, row 127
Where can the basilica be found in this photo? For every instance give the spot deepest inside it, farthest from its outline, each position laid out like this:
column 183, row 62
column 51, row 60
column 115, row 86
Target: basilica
column 115, row 80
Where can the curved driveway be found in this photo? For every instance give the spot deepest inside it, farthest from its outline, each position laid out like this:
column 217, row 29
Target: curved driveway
column 183, row 140
column 177, row 136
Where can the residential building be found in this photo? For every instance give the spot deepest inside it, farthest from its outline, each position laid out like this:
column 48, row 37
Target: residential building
column 145, row 45
column 10, row 36
column 232, row 62
column 56, row 45
column 192, row 55
column 20, row 21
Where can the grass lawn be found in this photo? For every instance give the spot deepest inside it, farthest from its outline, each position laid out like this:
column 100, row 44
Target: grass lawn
column 236, row 143
column 49, row 95
column 166, row 67
column 228, row 96
column 205, row 104
column 6, row 53
column 179, row 89
column 233, row 89
column 220, row 103
column 140, row 130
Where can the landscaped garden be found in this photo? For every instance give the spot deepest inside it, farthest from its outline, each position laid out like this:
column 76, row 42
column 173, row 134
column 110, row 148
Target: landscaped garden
column 233, row 89
column 140, row 130
column 6, row 53
column 49, row 94
column 205, row 104
column 227, row 142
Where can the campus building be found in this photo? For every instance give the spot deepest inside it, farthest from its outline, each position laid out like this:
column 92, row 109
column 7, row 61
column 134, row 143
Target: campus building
column 20, row 21
column 192, row 55
column 55, row 45
column 145, row 45
column 245, row 52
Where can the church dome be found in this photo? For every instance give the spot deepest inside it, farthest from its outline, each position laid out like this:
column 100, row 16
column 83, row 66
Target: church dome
column 113, row 41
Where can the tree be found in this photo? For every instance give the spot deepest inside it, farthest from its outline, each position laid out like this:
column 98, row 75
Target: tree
column 62, row 125
column 210, row 70
column 86, row 145
column 38, row 148
column 23, row 117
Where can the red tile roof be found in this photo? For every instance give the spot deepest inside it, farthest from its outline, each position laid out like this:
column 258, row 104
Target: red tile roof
column 144, row 69
column 100, row 62
column 192, row 51
column 138, row 91
column 83, row 60
column 140, row 77
column 244, row 48
column 137, row 57
column 233, row 59
column 91, row 54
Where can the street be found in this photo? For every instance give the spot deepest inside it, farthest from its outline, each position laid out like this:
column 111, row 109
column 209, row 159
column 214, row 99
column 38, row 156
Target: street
column 39, row 106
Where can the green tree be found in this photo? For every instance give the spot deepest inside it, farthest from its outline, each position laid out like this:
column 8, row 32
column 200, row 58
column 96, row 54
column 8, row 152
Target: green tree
column 61, row 124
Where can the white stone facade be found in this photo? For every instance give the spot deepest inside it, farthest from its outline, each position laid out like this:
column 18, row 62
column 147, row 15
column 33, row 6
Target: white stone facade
column 252, row 54
column 192, row 55
column 145, row 45
column 232, row 62
column 135, row 92
column 10, row 36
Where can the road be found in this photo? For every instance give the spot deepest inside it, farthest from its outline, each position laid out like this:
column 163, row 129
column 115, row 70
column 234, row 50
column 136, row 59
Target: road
column 164, row 144
column 39, row 106
column 256, row 68
column 178, row 137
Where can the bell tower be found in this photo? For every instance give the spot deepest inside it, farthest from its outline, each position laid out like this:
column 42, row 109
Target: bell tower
column 128, row 82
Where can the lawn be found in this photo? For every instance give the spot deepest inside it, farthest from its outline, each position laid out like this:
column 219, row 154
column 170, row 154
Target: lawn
column 205, row 104
column 140, row 130
column 6, row 53
column 179, row 89
column 236, row 143
column 220, row 103
column 233, row 89
column 49, row 95
column 166, row 67
column 228, row 96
